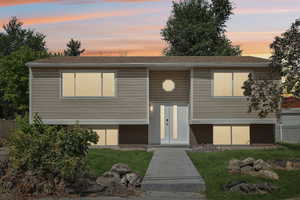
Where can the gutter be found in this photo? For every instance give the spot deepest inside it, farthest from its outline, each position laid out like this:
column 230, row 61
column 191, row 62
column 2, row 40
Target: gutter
column 150, row 65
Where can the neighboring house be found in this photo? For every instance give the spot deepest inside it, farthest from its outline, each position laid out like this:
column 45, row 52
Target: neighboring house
column 290, row 118
column 152, row 100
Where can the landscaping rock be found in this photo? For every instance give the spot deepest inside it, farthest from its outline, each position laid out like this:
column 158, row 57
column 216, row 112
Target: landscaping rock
column 253, row 167
column 134, row 179
column 261, row 165
column 107, row 181
column 120, row 180
column 269, row 174
column 120, row 169
column 231, row 184
column 110, row 174
column 234, row 166
column 285, row 164
column 246, row 169
column 249, row 188
column 124, row 181
column 247, row 162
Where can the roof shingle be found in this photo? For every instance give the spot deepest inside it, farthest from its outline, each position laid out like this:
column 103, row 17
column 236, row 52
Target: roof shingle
column 158, row 59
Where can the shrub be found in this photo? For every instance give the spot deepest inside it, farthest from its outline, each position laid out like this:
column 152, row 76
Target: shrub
column 3, row 142
column 50, row 151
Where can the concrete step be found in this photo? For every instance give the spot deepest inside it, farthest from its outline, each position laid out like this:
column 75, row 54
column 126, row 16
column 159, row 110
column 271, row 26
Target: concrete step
column 172, row 170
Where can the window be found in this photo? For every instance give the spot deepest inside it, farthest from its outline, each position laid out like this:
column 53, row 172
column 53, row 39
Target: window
column 231, row 135
column 88, row 84
column 229, row 83
column 168, row 85
column 107, row 136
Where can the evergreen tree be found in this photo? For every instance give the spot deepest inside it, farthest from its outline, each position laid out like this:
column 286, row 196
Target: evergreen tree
column 197, row 28
column 15, row 36
column 73, row 48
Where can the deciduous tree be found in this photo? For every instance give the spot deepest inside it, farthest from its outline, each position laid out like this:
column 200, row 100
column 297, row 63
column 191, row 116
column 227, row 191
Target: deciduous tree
column 266, row 96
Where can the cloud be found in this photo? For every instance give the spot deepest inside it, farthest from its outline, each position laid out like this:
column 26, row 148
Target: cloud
column 4, row 3
column 253, row 36
column 129, row 1
column 254, row 11
column 85, row 16
column 254, row 47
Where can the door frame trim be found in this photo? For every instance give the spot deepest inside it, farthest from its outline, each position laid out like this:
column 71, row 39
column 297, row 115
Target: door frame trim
column 188, row 110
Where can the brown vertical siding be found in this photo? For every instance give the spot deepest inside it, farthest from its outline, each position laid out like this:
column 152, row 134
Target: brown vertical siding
column 262, row 134
column 179, row 94
column 133, row 134
column 201, row 134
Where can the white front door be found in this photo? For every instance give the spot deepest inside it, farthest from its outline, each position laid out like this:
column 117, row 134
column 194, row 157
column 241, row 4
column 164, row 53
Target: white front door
column 174, row 126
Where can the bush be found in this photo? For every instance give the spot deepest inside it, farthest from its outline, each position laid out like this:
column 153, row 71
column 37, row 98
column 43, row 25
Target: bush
column 3, row 142
column 50, row 151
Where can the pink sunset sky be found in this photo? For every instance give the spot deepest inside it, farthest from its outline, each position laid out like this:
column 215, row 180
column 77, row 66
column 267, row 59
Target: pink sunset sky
column 132, row 27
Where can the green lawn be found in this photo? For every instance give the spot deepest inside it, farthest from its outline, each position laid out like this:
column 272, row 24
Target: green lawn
column 213, row 167
column 101, row 160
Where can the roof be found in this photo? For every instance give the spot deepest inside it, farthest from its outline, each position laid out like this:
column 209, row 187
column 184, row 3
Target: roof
column 150, row 61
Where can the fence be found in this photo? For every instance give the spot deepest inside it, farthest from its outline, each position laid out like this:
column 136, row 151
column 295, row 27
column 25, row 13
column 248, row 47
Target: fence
column 6, row 126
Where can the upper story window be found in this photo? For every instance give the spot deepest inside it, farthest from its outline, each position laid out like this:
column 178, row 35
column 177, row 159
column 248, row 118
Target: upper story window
column 91, row 84
column 229, row 83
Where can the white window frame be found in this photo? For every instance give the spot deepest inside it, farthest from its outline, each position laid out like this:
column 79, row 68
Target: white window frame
column 232, row 85
column 88, row 71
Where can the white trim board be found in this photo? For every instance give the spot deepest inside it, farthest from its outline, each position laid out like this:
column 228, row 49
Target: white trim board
column 234, row 121
column 96, row 121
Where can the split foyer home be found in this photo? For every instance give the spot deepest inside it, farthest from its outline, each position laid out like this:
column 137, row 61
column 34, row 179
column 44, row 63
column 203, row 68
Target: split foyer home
column 152, row 100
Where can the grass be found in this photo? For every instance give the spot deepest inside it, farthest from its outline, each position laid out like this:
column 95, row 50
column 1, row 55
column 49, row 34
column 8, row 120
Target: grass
column 213, row 167
column 101, row 160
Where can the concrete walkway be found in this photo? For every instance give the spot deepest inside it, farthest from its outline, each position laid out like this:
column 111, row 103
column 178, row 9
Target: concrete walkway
column 145, row 196
column 172, row 170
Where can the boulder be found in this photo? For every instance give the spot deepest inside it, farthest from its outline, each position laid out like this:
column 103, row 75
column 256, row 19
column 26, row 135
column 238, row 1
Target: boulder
column 85, row 186
column 247, row 162
column 268, row 174
column 134, row 179
column 107, row 181
column 246, row 169
column 110, row 174
column 266, row 187
column 249, row 188
column 292, row 165
column 234, row 166
column 231, row 184
column 124, row 181
column 120, row 169
column 261, row 165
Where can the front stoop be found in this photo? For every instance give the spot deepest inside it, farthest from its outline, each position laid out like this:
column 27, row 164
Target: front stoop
column 172, row 170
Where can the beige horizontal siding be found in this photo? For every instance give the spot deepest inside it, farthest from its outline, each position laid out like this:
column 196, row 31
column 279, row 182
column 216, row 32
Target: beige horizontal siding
column 206, row 106
column 179, row 94
column 130, row 102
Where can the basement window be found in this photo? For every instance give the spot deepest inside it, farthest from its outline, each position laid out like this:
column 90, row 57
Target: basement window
column 107, row 137
column 231, row 135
